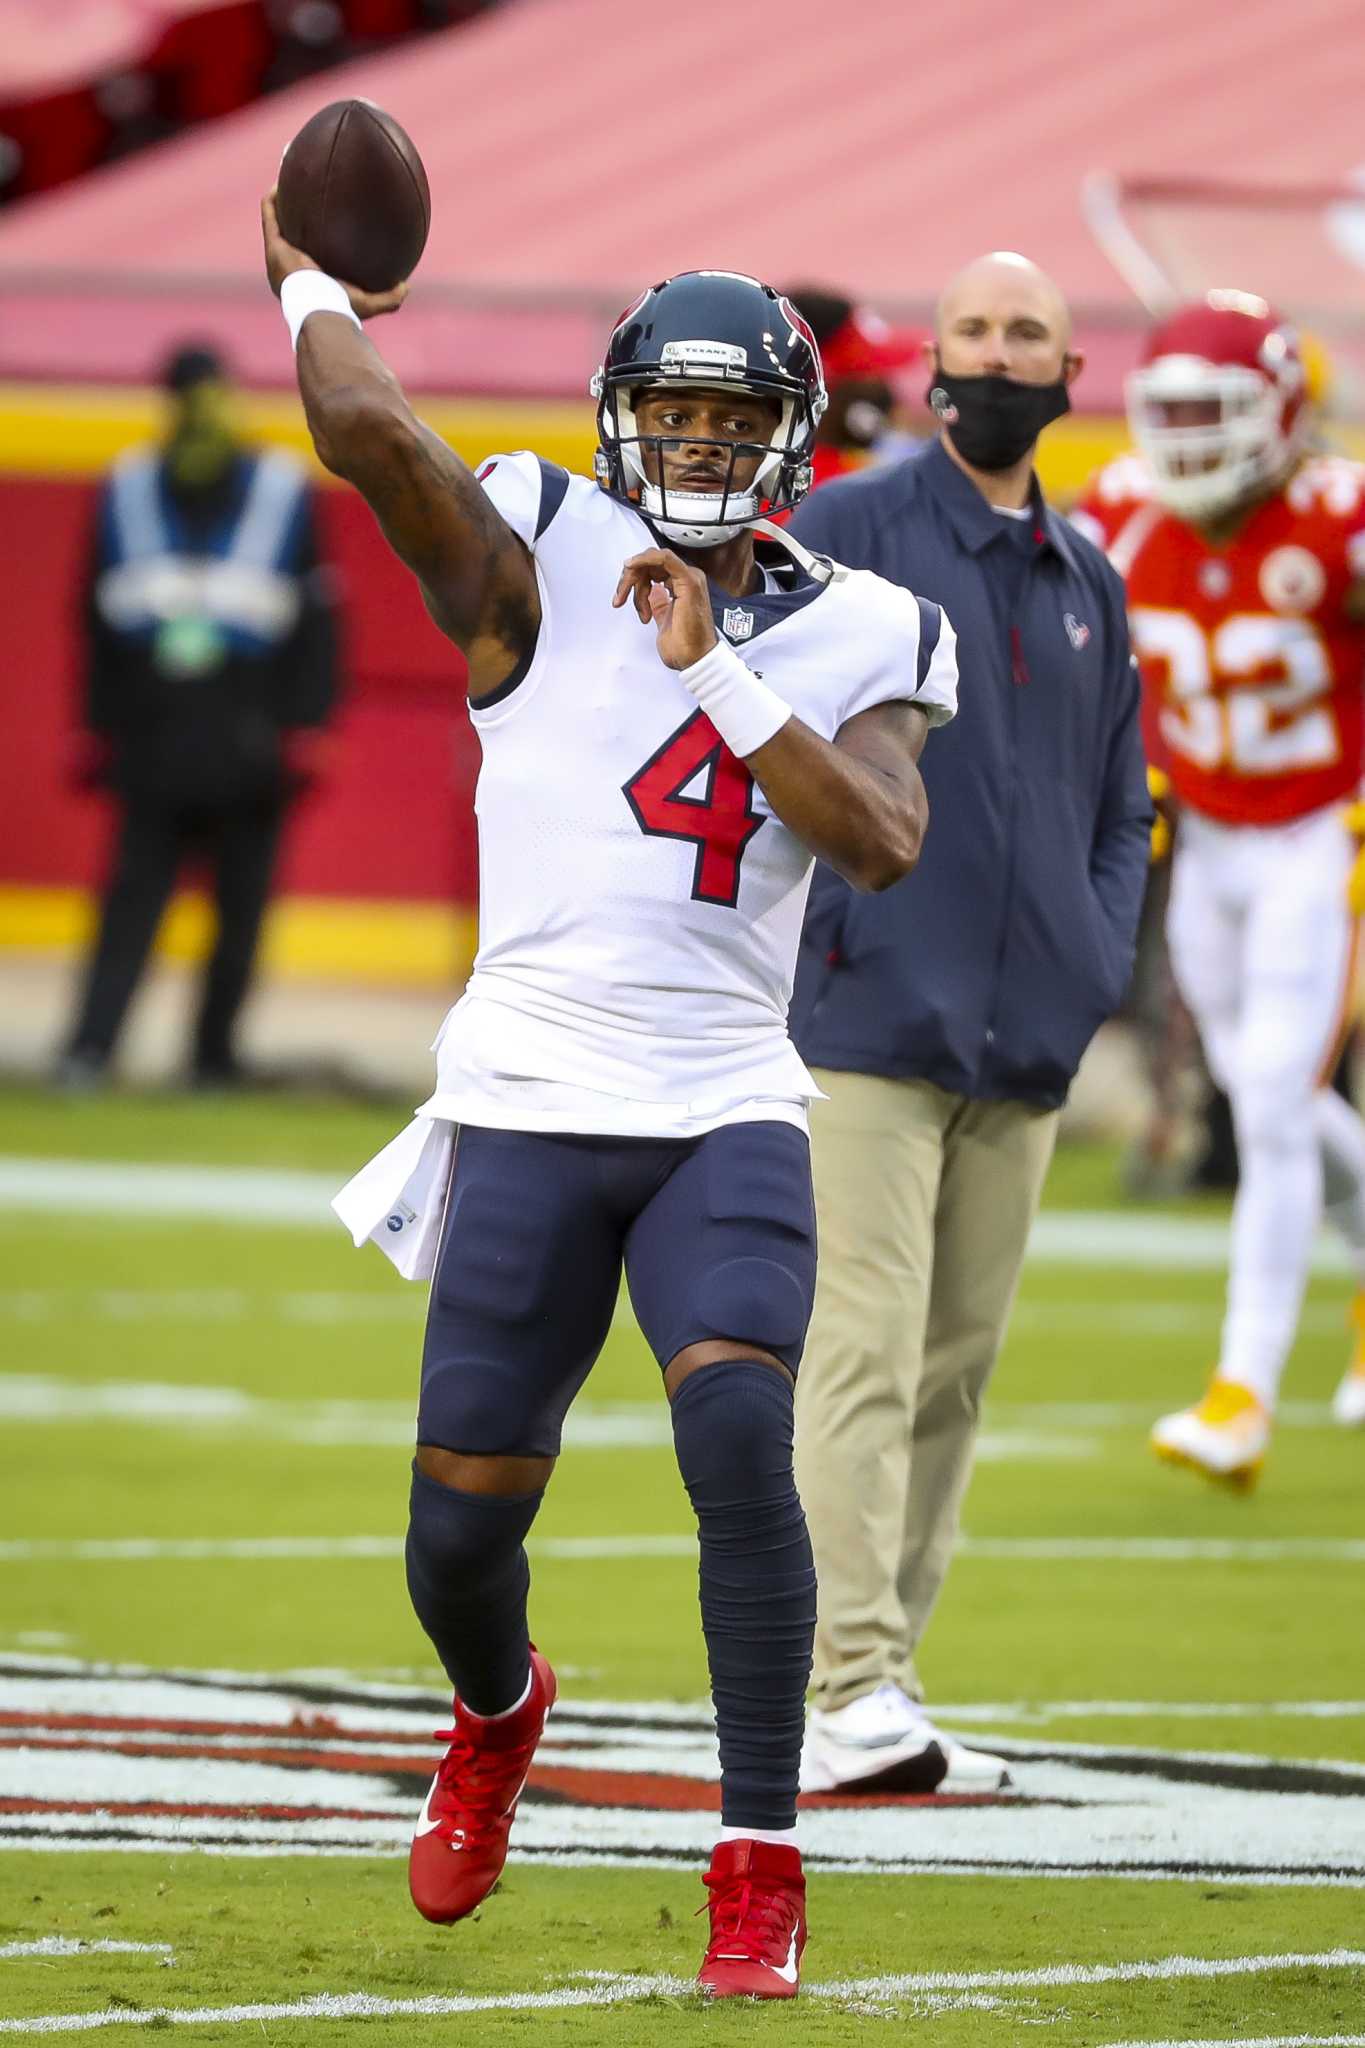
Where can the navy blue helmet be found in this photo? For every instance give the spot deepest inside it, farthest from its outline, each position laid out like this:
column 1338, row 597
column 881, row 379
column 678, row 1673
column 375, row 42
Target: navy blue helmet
column 712, row 328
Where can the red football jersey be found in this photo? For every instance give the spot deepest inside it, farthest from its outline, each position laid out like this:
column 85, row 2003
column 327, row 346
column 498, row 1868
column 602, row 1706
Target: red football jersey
column 1253, row 674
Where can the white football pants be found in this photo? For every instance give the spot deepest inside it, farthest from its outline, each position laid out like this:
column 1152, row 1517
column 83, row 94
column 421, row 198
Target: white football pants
column 1263, row 949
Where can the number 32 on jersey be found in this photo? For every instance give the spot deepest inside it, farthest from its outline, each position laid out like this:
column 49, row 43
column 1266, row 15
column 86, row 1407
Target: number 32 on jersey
column 1252, row 696
column 718, row 815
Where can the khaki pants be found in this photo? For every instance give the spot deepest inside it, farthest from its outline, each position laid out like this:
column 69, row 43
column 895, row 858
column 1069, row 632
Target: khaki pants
column 924, row 1202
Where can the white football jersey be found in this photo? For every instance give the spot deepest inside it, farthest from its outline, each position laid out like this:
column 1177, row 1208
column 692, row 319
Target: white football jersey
column 640, row 906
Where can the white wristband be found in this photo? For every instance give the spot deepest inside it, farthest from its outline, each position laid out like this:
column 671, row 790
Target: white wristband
column 311, row 291
column 744, row 711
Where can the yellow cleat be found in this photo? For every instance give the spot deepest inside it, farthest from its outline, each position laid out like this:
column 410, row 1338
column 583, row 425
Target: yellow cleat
column 1224, row 1436
column 1348, row 1403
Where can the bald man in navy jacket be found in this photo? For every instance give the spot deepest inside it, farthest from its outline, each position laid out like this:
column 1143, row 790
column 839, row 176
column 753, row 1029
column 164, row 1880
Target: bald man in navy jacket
column 946, row 1018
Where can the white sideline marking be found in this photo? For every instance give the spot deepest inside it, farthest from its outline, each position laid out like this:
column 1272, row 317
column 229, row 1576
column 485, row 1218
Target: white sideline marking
column 1022, row 1429
column 1002, row 1549
column 48, row 1398
column 63, row 1945
column 607, row 1990
column 1117, row 1317
column 1063, row 1976
column 258, row 1195
column 1165, row 1549
column 1257, row 2041
column 134, row 1191
column 142, row 1549
column 1032, row 1713
column 354, row 2005
column 1137, row 1414
column 209, row 1304
column 1123, row 1316
column 1124, row 1238
column 152, row 1549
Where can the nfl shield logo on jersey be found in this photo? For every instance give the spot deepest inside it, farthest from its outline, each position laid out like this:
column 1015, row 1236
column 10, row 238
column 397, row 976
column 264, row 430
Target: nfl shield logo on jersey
column 737, row 624
column 1292, row 580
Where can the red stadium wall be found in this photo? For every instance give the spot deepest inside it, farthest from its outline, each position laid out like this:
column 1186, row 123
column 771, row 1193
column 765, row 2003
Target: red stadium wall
column 379, row 874
column 378, row 880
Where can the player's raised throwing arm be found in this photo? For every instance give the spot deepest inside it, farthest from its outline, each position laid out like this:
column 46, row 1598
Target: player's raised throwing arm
column 477, row 576
column 857, row 802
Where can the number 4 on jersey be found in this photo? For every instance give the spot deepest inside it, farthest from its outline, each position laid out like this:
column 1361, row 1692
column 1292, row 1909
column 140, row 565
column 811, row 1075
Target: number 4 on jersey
column 719, row 820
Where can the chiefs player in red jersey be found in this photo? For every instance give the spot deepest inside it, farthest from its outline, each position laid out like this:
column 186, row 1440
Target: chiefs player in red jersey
column 1244, row 557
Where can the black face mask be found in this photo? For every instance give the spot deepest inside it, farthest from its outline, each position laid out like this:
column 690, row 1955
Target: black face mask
column 993, row 421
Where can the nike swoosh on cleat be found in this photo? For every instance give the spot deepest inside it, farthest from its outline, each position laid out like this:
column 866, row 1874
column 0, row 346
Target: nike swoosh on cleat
column 425, row 1824
column 787, row 1971
column 517, row 1794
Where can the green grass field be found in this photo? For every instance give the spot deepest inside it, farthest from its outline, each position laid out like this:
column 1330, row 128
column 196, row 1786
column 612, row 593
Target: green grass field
column 203, row 1464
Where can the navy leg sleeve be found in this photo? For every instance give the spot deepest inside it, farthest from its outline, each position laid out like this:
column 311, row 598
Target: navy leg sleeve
column 468, row 1578
column 732, row 1426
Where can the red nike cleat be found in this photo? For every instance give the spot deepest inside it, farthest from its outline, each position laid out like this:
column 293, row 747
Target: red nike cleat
column 460, row 1842
column 758, row 1921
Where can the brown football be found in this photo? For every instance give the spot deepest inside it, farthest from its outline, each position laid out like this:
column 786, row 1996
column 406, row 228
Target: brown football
column 353, row 195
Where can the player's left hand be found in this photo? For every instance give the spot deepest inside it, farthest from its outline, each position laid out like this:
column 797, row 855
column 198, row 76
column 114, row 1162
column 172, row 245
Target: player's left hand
column 676, row 597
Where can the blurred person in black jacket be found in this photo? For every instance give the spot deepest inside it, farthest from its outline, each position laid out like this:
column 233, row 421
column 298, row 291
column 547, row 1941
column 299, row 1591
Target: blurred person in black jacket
column 212, row 670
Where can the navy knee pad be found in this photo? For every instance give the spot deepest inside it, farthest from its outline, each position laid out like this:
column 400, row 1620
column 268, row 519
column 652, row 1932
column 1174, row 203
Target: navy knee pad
column 732, row 1427
column 468, row 1579
column 759, row 1301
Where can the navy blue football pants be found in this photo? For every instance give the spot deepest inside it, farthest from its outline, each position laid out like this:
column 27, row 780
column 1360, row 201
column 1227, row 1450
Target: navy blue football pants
column 716, row 1236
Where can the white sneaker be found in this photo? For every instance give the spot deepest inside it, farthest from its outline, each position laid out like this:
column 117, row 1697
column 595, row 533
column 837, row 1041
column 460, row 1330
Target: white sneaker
column 885, row 1742
column 1224, row 1436
column 1348, row 1402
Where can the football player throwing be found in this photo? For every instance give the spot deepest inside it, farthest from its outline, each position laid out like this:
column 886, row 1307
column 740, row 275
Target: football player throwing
column 1244, row 552
column 678, row 707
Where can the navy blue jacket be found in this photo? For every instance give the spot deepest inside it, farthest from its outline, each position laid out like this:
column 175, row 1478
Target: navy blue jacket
column 989, row 968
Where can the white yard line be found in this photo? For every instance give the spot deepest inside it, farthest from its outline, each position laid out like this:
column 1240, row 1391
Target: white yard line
column 1003, row 1549
column 39, row 1400
column 150, row 1549
column 1165, row 1549
column 608, row 1990
column 49, row 1400
column 135, row 1191
column 1117, row 1317
column 1063, row 1976
column 63, row 1945
column 1120, row 1317
column 353, row 2005
column 1256, row 2041
column 1092, row 1415
column 1032, row 1713
column 35, row 1305
column 1014, row 1429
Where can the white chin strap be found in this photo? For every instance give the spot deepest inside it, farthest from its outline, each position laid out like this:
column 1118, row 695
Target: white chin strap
column 694, row 517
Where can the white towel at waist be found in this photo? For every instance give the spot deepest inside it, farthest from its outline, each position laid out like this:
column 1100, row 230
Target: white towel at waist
column 398, row 1200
